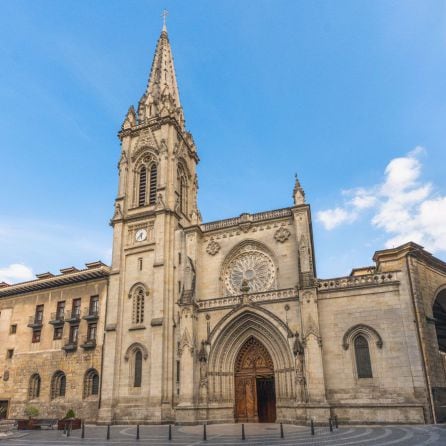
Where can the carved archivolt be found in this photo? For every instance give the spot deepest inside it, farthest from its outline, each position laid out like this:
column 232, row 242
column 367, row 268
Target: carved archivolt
column 369, row 332
column 253, row 356
column 252, row 264
column 133, row 348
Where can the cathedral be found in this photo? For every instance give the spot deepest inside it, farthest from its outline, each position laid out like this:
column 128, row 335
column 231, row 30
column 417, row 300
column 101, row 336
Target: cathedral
column 223, row 321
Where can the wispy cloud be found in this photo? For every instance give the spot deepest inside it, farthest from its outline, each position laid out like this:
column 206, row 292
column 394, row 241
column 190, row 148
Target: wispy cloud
column 16, row 272
column 403, row 206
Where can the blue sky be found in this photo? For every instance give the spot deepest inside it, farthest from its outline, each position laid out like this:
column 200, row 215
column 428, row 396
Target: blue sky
column 351, row 95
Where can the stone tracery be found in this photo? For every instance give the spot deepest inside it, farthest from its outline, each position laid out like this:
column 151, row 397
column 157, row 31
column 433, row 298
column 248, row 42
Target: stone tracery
column 250, row 264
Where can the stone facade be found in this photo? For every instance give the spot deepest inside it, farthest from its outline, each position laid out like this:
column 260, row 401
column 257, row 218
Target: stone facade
column 227, row 320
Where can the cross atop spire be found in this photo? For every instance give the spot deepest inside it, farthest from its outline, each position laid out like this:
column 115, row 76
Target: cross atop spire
column 164, row 16
column 161, row 97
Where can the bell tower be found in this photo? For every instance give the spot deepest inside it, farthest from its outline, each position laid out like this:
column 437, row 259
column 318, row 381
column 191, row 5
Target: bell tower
column 156, row 201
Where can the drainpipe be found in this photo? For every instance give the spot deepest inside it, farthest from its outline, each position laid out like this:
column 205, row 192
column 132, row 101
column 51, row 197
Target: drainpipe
column 419, row 336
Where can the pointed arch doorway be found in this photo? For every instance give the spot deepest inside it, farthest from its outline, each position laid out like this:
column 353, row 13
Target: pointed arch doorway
column 255, row 396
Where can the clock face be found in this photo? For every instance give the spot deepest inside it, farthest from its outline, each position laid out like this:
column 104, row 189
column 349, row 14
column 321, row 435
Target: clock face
column 141, row 235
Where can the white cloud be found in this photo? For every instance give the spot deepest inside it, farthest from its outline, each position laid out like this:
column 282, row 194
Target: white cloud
column 16, row 272
column 402, row 206
column 335, row 217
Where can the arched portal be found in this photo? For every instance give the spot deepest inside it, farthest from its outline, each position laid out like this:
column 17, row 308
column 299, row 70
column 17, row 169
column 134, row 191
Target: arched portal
column 255, row 396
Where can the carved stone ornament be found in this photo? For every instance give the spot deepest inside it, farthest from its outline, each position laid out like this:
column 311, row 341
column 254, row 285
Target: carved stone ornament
column 282, row 235
column 6, row 375
column 213, row 247
column 253, row 267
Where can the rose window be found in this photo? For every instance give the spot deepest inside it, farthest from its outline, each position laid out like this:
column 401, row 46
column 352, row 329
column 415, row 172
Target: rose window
column 254, row 267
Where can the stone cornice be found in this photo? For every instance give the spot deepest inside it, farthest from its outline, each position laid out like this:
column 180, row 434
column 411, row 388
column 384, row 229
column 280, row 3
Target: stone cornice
column 366, row 280
column 246, row 219
column 100, row 271
column 261, row 297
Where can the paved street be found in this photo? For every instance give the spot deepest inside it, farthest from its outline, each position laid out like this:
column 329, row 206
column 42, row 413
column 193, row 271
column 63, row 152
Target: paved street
column 230, row 434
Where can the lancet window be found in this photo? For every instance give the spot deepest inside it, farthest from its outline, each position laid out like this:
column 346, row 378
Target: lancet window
column 91, row 383
column 58, row 385
column 362, row 356
column 147, row 184
column 34, row 386
column 138, row 305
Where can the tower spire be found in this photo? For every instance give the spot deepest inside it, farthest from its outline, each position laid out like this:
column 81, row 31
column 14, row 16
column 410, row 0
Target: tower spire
column 161, row 97
column 298, row 192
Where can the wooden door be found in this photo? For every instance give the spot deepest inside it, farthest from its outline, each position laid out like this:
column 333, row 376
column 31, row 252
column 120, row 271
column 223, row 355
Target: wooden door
column 266, row 400
column 252, row 364
column 3, row 409
column 246, row 398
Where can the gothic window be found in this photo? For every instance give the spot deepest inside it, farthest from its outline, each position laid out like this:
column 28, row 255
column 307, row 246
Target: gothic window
column 138, row 306
column 34, row 386
column 182, row 191
column 91, row 383
column 439, row 313
column 362, row 356
column 137, row 376
column 152, row 185
column 58, row 385
column 142, row 186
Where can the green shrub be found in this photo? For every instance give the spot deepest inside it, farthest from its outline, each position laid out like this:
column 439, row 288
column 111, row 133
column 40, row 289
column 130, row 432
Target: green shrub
column 70, row 414
column 31, row 411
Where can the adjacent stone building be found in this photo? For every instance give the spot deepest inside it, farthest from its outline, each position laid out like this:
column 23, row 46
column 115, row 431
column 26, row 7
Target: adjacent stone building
column 225, row 320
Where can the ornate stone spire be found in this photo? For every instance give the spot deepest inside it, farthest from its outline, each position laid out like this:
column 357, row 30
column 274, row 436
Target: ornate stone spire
column 298, row 192
column 161, row 97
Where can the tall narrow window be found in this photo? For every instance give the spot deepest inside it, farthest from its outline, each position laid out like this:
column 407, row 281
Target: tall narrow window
column 183, row 195
column 58, row 385
column 91, row 383
column 138, row 369
column 362, row 354
column 142, row 186
column 153, row 180
column 34, row 386
column 138, row 306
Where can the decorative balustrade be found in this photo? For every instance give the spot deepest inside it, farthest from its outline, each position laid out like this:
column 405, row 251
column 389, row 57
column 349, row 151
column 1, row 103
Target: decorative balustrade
column 358, row 281
column 245, row 218
column 230, row 301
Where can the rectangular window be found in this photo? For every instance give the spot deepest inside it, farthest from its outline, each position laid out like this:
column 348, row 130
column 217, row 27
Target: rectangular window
column 36, row 336
column 74, row 332
column 9, row 353
column 39, row 314
column 60, row 310
column 140, row 264
column 179, row 287
column 58, row 333
column 13, row 329
column 94, row 305
column 76, row 309
column 179, row 258
column 91, row 334
column 178, row 371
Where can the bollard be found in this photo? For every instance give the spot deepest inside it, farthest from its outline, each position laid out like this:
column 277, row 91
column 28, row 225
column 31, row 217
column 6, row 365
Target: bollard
column 281, row 430
column 170, row 432
column 83, row 430
column 330, row 424
column 312, row 426
column 205, row 437
column 243, row 432
column 108, row 432
column 137, row 431
column 336, row 421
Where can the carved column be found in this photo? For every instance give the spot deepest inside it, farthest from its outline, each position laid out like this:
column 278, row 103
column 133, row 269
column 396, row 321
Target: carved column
column 186, row 353
column 312, row 341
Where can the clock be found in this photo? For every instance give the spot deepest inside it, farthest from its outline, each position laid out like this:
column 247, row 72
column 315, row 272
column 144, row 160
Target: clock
column 141, row 235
